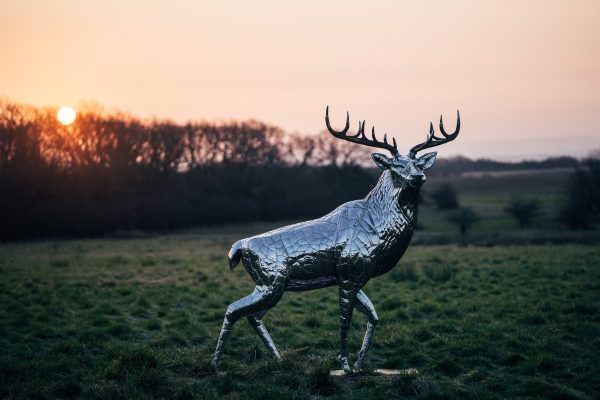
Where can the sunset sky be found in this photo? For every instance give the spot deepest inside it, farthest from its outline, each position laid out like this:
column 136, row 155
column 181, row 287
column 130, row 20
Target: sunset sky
column 524, row 74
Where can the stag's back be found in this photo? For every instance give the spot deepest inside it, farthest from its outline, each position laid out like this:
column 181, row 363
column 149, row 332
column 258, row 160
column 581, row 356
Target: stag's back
column 319, row 235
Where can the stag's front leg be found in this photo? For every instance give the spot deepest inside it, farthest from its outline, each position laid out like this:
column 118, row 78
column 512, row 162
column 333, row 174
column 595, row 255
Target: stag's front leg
column 347, row 296
column 364, row 305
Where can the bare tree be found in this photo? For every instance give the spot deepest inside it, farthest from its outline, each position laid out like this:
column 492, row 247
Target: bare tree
column 165, row 147
column 19, row 134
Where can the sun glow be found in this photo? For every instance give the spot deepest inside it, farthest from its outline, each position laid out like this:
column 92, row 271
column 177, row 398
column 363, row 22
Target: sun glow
column 66, row 115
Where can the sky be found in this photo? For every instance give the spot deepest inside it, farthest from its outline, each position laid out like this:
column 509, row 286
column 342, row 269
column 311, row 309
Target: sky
column 524, row 74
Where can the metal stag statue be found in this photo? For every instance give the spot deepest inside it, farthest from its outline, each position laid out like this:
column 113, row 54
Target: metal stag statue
column 355, row 242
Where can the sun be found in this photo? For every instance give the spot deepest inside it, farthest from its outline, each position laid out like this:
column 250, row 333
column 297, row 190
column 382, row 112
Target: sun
column 66, row 115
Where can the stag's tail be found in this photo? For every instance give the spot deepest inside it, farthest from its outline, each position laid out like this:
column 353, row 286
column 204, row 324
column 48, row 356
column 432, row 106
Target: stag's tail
column 235, row 254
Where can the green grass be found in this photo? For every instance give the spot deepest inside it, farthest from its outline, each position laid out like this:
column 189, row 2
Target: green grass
column 138, row 318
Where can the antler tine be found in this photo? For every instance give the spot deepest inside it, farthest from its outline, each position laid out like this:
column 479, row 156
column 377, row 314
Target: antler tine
column 335, row 133
column 374, row 138
column 361, row 129
column 360, row 136
column 359, row 132
column 431, row 133
column 433, row 140
column 453, row 134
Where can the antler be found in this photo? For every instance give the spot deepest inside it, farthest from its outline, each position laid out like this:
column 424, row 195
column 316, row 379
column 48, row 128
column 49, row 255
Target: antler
column 433, row 140
column 360, row 137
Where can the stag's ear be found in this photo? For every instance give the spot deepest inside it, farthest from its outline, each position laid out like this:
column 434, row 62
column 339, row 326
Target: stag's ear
column 381, row 160
column 426, row 161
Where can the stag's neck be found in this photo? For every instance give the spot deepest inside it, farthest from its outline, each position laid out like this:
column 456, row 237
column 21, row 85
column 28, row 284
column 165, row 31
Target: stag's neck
column 391, row 199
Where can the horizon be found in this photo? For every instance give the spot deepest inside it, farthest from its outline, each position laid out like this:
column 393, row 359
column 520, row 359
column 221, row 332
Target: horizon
column 524, row 76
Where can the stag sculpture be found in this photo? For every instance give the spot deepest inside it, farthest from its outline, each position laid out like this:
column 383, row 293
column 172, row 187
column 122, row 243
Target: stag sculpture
column 355, row 242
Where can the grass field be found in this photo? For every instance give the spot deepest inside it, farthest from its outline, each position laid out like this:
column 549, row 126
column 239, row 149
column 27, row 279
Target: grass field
column 138, row 318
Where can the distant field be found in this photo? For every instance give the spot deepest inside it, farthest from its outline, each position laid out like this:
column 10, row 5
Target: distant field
column 488, row 194
column 522, row 182
column 138, row 318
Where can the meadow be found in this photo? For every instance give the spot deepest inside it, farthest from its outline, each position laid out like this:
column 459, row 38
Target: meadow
column 505, row 312
column 138, row 317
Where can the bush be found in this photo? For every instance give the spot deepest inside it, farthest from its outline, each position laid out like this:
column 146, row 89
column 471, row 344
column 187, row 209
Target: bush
column 523, row 210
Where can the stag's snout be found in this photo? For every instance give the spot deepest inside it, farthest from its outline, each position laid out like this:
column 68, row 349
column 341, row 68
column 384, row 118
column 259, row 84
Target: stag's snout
column 416, row 176
column 416, row 180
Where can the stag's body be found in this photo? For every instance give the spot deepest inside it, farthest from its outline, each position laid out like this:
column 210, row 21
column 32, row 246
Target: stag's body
column 355, row 242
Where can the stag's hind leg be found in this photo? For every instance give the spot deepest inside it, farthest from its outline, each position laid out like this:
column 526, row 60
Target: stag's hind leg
column 364, row 305
column 261, row 299
column 256, row 322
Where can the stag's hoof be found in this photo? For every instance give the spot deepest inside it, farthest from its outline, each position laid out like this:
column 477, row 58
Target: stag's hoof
column 357, row 366
column 345, row 364
column 214, row 361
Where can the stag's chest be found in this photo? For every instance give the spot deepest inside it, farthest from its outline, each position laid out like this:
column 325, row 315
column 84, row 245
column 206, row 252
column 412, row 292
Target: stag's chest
column 393, row 235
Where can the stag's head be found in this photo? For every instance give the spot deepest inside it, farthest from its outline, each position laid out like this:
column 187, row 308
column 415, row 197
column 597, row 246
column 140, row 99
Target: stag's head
column 406, row 169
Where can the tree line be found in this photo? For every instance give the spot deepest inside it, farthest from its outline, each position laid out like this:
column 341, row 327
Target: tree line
column 111, row 171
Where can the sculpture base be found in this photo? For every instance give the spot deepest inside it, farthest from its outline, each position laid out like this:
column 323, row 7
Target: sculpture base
column 377, row 372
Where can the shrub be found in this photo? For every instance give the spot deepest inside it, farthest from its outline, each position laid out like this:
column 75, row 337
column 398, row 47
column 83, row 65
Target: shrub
column 523, row 210
column 464, row 217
